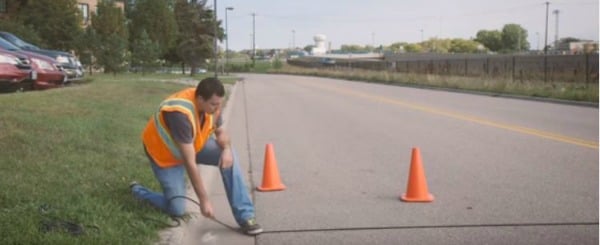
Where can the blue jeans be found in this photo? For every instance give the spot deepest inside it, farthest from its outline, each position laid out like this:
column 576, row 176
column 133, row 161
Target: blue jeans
column 172, row 181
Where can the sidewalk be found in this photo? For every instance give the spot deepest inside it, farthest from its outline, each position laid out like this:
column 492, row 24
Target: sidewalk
column 200, row 230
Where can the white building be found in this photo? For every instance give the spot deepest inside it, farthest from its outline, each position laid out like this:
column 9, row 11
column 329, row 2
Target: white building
column 320, row 45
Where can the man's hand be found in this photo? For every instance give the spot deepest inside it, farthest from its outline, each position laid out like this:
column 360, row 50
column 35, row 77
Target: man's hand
column 189, row 156
column 226, row 158
column 224, row 142
column 206, row 209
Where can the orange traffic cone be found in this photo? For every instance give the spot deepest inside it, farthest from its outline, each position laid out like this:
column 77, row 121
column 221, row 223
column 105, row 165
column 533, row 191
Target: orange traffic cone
column 417, row 190
column 271, row 180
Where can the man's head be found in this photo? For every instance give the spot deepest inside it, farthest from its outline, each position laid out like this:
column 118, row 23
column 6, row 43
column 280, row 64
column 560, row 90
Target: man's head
column 209, row 94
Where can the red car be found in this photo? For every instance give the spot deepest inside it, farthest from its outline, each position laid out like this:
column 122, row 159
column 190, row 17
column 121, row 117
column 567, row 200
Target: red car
column 15, row 72
column 48, row 73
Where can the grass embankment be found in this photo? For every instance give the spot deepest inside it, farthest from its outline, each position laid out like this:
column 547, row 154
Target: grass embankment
column 572, row 91
column 72, row 152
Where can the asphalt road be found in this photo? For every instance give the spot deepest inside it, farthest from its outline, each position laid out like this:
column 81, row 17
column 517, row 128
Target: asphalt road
column 503, row 171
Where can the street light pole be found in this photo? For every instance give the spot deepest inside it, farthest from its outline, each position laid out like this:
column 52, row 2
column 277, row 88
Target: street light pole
column 556, row 12
column 227, row 39
column 253, row 40
column 519, row 41
column 546, row 35
column 546, row 45
column 293, row 39
column 216, row 59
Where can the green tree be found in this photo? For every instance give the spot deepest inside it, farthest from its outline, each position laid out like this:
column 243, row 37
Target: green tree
column 196, row 29
column 27, row 33
column 85, row 47
column 396, row 47
column 109, row 35
column 437, row 45
column 354, row 48
column 111, row 53
column 490, row 39
column 130, row 6
column 145, row 53
column 157, row 19
column 514, row 38
column 172, row 57
column 459, row 45
column 109, row 19
column 413, row 48
column 309, row 48
column 56, row 21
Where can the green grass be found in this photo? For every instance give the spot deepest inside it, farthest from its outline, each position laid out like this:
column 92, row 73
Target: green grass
column 572, row 91
column 262, row 66
column 76, row 149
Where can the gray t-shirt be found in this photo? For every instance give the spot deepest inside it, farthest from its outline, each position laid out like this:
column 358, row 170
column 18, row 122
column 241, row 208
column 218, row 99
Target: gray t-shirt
column 181, row 129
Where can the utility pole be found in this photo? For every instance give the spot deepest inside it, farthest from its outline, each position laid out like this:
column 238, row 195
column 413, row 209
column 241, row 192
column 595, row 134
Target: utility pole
column 293, row 39
column 546, row 45
column 253, row 39
column 216, row 53
column 519, row 41
column 537, row 34
column 546, row 35
column 227, row 39
column 421, row 36
column 556, row 12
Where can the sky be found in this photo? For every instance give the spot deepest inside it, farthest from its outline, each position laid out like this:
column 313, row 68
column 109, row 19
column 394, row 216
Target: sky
column 282, row 23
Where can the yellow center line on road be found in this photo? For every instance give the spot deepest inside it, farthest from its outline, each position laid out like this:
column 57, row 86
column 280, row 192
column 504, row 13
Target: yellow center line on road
column 514, row 128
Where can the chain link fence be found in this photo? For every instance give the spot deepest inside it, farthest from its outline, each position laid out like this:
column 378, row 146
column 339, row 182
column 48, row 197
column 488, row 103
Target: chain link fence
column 537, row 68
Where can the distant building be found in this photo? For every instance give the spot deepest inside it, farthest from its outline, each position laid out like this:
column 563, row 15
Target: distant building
column 85, row 6
column 90, row 6
column 319, row 48
column 578, row 47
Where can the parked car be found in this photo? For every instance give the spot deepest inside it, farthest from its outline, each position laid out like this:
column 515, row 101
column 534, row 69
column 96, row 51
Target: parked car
column 48, row 71
column 16, row 73
column 69, row 63
column 327, row 61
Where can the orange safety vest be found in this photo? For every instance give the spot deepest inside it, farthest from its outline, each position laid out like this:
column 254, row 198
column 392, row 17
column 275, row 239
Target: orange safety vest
column 157, row 138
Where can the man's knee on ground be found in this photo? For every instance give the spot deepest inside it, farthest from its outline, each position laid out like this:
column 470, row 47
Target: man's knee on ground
column 176, row 207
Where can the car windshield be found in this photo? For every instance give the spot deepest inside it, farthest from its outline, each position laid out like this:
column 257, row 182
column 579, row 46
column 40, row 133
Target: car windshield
column 17, row 41
column 8, row 46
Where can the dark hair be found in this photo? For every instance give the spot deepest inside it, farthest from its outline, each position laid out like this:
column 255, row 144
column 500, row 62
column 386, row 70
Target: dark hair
column 208, row 87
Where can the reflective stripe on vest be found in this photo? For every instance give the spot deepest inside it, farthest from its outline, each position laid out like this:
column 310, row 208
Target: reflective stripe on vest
column 165, row 136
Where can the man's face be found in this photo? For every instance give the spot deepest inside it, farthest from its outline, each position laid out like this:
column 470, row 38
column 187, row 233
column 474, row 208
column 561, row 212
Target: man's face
column 211, row 105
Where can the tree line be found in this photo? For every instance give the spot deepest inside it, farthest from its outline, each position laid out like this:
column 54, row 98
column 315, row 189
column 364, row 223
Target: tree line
column 511, row 38
column 146, row 34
